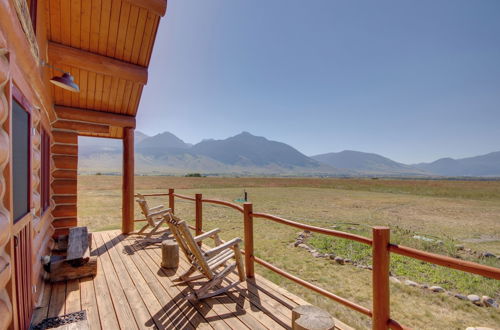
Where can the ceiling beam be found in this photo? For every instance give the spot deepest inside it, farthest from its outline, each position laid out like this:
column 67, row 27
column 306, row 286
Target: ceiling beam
column 92, row 116
column 158, row 7
column 61, row 54
column 81, row 126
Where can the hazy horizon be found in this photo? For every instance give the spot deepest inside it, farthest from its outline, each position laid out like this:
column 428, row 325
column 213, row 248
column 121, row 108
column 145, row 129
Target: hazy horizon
column 412, row 81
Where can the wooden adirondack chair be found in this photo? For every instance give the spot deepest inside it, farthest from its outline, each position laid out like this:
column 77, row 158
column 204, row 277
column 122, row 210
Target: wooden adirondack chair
column 154, row 217
column 213, row 264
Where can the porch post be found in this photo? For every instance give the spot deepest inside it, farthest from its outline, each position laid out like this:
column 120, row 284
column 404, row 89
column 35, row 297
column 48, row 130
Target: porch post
column 128, row 181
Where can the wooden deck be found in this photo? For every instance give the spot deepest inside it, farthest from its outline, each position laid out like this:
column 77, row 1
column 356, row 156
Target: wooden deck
column 131, row 291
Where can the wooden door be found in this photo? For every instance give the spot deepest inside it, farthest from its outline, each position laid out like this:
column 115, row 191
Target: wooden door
column 23, row 271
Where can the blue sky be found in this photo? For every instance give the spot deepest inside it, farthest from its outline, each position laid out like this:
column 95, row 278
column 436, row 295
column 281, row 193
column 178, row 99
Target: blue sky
column 411, row 80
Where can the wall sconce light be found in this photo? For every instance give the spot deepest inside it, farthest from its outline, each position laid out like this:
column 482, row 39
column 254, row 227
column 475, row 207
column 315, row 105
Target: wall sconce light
column 65, row 81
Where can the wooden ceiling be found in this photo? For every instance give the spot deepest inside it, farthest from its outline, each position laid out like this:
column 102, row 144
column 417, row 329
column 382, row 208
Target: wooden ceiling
column 106, row 45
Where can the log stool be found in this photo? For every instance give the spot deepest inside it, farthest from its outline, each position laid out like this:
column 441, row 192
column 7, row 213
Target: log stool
column 169, row 254
column 308, row 317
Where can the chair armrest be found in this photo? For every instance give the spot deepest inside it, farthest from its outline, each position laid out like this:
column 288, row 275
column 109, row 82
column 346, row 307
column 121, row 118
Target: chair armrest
column 208, row 234
column 161, row 212
column 156, row 208
column 223, row 247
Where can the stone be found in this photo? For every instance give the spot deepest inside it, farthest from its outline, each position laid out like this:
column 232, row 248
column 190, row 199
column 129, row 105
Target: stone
column 489, row 302
column 411, row 283
column 488, row 255
column 459, row 247
column 339, row 260
column 303, row 246
column 316, row 254
column 331, row 256
column 394, row 279
column 460, row 296
column 436, row 288
column 475, row 299
column 307, row 317
column 347, row 261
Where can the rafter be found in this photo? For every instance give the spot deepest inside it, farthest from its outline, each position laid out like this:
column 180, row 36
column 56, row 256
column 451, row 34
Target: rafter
column 61, row 54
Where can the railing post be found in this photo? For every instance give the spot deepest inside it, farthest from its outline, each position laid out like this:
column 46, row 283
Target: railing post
column 248, row 237
column 199, row 215
column 380, row 278
column 171, row 199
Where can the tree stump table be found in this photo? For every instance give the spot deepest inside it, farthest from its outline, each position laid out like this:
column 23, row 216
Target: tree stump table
column 308, row 317
column 169, row 254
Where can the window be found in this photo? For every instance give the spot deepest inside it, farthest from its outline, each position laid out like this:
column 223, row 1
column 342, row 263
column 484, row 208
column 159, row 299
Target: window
column 45, row 171
column 20, row 160
column 32, row 7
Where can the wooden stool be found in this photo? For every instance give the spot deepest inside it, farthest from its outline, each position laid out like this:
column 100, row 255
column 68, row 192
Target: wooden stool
column 308, row 317
column 169, row 254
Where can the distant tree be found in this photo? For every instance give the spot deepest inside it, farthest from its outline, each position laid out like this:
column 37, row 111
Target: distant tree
column 193, row 175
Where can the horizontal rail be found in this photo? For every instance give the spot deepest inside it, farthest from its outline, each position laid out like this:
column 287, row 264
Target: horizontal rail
column 153, row 195
column 463, row 265
column 228, row 204
column 314, row 288
column 184, row 197
column 315, row 229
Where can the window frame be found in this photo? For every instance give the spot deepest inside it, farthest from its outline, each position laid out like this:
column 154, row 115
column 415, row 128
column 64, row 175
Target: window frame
column 45, row 154
column 18, row 96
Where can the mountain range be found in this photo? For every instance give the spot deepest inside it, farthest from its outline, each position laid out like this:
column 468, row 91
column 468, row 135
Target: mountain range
column 246, row 154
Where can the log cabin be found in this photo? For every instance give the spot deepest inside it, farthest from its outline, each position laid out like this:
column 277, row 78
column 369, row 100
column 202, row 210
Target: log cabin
column 72, row 68
column 105, row 46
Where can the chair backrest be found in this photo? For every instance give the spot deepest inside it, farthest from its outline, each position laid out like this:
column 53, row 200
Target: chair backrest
column 189, row 247
column 141, row 200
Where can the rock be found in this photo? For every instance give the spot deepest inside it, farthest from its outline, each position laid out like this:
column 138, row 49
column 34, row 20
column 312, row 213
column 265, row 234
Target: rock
column 436, row 288
column 459, row 247
column 478, row 328
column 394, row 279
column 488, row 255
column 331, row 256
column 411, row 283
column 339, row 260
column 302, row 245
column 369, row 267
column 297, row 243
column 316, row 254
column 474, row 299
column 460, row 296
column 347, row 261
column 489, row 302
column 424, row 286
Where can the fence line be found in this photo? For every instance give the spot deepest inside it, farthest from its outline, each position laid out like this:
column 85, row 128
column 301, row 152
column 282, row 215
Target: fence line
column 381, row 249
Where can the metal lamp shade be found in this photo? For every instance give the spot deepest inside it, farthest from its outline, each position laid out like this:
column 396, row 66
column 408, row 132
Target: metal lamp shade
column 66, row 81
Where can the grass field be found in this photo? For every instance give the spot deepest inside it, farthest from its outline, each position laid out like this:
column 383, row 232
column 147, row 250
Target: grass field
column 455, row 212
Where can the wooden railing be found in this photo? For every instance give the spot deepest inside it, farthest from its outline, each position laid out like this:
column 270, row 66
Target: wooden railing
column 381, row 249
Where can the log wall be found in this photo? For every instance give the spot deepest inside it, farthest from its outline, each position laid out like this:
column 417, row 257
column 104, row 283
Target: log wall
column 5, row 225
column 64, row 184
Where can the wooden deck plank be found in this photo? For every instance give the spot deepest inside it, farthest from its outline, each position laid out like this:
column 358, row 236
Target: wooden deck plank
column 236, row 300
column 73, row 301
column 170, row 312
column 143, row 303
column 105, row 308
column 120, row 303
column 43, row 308
column 131, row 290
column 89, row 302
column 57, row 299
column 182, row 292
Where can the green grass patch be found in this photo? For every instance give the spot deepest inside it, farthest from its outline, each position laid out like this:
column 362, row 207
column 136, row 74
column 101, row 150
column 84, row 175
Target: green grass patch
column 413, row 269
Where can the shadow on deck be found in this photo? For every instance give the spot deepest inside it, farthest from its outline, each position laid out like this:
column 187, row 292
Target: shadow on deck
column 132, row 291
